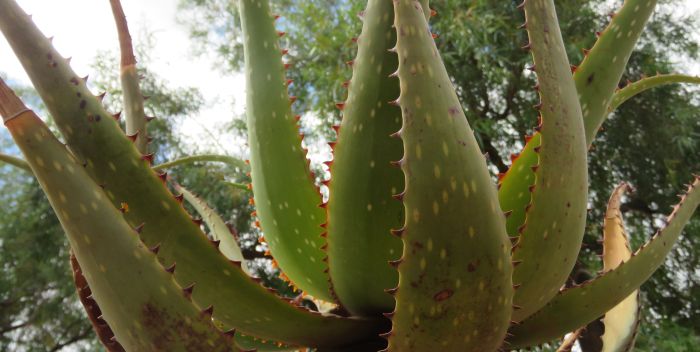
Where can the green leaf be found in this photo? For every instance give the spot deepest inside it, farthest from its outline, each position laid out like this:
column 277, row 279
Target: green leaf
column 577, row 306
column 250, row 343
column 113, row 161
column 455, row 290
column 158, row 315
column 555, row 218
column 229, row 160
column 94, row 313
column 15, row 161
column 594, row 98
column 599, row 74
column 634, row 88
column 136, row 118
column 288, row 201
column 219, row 231
column 361, row 210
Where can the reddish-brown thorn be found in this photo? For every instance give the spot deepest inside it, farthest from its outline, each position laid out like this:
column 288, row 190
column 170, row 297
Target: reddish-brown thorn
column 171, row 268
column 179, row 198
column 208, row 311
column 188, row 290
column 398, row 232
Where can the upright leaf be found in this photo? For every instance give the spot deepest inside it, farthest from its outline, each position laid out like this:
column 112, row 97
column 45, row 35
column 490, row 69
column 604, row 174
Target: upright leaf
column 361, row 210
column 113, row 162
column 622, row 321
column 136, row 118
column 550, row 238
column 455, row 290
column 288, row 201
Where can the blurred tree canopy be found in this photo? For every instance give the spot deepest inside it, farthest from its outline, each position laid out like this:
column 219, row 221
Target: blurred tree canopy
column 652, row 142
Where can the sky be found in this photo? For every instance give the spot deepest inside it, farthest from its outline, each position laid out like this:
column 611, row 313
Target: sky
column 82, row 27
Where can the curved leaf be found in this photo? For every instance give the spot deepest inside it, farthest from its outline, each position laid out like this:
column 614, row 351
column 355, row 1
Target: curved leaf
column 113, row 161
column 578, row 306
column 157, row 316
column 288, row 201
column 219, row 230
column 644, row 84
column 620, row 322
column 555, row 218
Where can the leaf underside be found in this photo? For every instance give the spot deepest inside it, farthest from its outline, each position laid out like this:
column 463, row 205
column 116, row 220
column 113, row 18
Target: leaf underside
column 620, row 322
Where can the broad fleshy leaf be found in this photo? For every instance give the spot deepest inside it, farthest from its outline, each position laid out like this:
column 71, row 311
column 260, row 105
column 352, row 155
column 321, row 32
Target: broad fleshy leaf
column 576, row 307
column 361, row 210
column 556, row 215
column 288, row 203
column 455, row 272
column 113, row 161
column 157, row 315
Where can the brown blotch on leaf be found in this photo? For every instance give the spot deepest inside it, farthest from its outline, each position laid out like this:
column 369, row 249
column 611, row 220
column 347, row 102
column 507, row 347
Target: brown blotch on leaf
column 443, row 295
column 169, row 331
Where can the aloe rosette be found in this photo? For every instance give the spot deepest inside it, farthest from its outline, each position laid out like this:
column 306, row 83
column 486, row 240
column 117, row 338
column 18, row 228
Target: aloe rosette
column 416, row 248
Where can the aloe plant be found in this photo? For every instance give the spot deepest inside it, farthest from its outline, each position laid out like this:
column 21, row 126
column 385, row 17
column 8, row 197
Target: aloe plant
column 416, row 249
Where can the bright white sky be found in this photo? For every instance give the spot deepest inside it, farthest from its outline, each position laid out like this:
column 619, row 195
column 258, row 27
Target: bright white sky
column 82, row 27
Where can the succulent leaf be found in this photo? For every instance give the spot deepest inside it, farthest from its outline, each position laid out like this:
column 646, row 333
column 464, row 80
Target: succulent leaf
column 594, row 98
column 406, row 164
column 102, row 329
column 220, row 232
column 453, row 221
column 289, row 201
column 250, row 343
column 361, row 210
column 112, row 161
column 599, row 74
column 136, row 119
column 15, row 161
column 157, row 316
column 577, row 306
column 514, row 184
column 228, row 160
column 644, row 84
column 620, row 322
column 556, row 215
